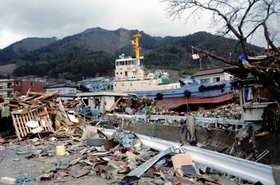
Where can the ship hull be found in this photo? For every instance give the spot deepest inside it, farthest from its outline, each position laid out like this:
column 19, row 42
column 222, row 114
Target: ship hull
column 173, row 103
column 215, row 93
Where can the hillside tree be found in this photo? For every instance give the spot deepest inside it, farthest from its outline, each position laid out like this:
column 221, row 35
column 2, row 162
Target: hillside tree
column 244, row 20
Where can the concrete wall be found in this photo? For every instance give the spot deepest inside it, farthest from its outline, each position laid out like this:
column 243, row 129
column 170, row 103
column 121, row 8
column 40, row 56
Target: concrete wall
column 63, row 90
column 218, row 138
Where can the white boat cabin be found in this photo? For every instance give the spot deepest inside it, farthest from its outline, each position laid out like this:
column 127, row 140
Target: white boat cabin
column 131, row 76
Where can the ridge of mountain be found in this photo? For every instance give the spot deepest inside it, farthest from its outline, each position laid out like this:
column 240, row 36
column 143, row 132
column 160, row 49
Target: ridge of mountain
column 24, row 46
column 93, row 52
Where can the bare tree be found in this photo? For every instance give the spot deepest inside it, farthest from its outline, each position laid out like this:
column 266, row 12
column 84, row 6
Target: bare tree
column 244, row 20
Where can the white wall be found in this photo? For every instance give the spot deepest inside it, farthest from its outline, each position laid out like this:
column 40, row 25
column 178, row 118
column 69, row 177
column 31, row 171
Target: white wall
column 63, row 90
column 5, row 91
column 211, row 77
column 142, row 85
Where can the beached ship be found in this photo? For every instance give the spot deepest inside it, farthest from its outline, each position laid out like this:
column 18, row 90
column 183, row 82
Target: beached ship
column 131, row 76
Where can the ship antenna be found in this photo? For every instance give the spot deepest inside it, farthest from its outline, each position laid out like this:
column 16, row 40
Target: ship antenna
column 136, row 44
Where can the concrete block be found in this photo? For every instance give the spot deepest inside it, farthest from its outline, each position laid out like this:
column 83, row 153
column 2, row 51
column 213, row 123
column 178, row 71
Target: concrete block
column 8, row 180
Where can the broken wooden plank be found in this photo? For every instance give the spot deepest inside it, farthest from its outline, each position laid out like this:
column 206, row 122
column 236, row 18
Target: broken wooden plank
column 27, row 93
column 115, row 104
column 20, row 120
column 46, row 95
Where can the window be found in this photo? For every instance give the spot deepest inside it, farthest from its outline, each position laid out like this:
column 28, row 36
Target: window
column 9, row 85
column 32, row 84
column 18, row 83
column 125, row 73
column 9, row 94
column 205, row 80
column 249, row 93
column 217, row 79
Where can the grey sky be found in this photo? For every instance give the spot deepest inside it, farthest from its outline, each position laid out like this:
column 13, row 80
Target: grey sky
column 59, row 18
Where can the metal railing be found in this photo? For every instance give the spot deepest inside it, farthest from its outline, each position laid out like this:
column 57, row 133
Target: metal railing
column 199, row 121
column 241, row 168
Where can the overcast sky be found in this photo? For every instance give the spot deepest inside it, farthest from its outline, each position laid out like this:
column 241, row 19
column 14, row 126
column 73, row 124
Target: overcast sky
column 59, row 18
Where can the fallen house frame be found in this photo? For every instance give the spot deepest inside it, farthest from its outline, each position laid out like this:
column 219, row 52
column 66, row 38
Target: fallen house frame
column 244, row 169
column 22, row 117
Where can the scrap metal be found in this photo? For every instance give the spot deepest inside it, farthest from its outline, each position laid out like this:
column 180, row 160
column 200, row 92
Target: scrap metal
column 244, row 169
column 145, row 166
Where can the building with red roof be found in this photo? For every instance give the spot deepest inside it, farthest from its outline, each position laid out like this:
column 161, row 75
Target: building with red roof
column 212, row 75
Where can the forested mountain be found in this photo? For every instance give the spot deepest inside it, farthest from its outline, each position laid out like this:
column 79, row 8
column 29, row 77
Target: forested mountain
column 92, row 53
column 21, row 48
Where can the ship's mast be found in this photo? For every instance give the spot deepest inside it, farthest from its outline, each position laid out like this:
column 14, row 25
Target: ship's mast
column 136, row 45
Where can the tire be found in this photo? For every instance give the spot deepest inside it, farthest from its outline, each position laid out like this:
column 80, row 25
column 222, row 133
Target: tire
column 202, row 88
column 187, row 93
column 159, row 96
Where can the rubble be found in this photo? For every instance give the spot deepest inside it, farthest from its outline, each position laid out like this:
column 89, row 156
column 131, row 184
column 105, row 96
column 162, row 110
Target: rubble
column 230, row 111
column 8, row 180
column 35, row 113
column 117, row 163
column 50, row 130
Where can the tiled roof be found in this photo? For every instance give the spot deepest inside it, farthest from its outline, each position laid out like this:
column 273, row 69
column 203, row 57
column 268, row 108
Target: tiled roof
column 209, row 71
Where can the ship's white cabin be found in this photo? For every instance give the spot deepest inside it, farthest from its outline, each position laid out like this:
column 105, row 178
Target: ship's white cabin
column 130, row 76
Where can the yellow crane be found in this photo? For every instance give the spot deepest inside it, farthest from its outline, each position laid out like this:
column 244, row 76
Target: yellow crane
column 136, row 44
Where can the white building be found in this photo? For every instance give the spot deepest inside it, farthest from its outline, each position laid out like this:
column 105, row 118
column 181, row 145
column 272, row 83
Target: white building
column 104, row 101
column 212, row 75
column 65, row 90
column 6, row 87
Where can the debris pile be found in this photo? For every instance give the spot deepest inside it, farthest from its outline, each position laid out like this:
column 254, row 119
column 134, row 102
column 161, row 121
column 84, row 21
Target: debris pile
column 37, row 113
column 78, row 150
column 118, row 159
column 230, row 111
